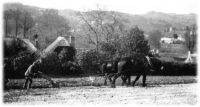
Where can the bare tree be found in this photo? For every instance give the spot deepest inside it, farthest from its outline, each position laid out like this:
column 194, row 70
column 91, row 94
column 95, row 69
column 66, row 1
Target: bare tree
column 91, row 28
column 7, row 16
column 17, row 17
column 27, row 22
column 103, row 25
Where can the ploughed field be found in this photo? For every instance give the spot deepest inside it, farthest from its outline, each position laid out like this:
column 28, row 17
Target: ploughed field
column 90, row 90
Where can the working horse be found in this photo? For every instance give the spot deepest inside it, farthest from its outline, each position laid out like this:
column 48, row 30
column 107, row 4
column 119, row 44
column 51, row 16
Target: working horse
column 109, row 68
column 137, row 64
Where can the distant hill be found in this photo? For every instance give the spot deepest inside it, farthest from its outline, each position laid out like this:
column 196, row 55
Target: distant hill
column 147, row 22
column 35, row 11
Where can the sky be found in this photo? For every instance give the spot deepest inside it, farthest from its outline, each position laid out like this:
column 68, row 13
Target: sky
column 125, row 6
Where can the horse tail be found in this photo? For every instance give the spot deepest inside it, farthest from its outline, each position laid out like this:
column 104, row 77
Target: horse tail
column 103, row 68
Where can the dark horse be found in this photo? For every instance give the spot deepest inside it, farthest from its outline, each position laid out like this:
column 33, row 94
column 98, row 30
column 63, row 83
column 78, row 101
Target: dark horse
column 138, row 64
column 110, row 68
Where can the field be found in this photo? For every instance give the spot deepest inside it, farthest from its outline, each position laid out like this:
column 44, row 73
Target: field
column 90, row 90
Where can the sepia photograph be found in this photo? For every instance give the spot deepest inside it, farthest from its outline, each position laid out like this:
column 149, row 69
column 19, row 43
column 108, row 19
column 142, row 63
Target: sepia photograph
column 99, row 52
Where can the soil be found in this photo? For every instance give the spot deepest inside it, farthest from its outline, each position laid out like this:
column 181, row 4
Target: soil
column 152, row 94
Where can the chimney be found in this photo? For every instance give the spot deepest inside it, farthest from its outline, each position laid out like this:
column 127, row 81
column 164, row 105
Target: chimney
column 72, row 41
column 36, row 40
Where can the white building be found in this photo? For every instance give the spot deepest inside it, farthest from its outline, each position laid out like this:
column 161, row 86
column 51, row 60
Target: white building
column 166, row 40
column 169, row 40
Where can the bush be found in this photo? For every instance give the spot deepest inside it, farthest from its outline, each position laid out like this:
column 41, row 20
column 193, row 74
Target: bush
column 16, row 67
column 91, row 60
column 65, row 53
column 51, row 64
column 71, row 68
column 109, row 49
column 177, row 69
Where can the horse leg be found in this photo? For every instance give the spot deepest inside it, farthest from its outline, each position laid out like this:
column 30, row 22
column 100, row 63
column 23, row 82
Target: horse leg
column 129, row 80
column 144, row 79
column 105, row 81
column 114, row 79
column 127, row 77
column 109, row 77
column 138, row 76
column 123, row 80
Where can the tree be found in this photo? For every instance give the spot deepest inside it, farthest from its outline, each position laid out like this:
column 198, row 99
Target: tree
column 27, row 22
column 7, row 16
column 109, row 49
column 17, row 20
column 191, row 37
column 51, row 25
column 103, row 27
column 17, row 17
column 136, row 43
column 154, row 38
column 91, row 29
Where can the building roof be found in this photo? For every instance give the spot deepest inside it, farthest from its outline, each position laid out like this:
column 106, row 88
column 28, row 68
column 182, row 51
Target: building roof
column 60, row 41
column 31, row 47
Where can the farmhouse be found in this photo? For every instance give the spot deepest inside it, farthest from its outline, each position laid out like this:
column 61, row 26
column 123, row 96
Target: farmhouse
column 166, row 40
column 173, row 35
column 173, row 41
column 60, row 46
column 170, row 40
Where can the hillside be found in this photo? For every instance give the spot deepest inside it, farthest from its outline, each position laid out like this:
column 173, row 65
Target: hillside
column 35, row 11
column 147, row 22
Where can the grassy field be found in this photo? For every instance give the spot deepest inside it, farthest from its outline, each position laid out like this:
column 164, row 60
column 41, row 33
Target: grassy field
column 98, row 81
column 90, row 90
